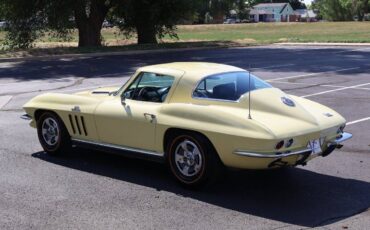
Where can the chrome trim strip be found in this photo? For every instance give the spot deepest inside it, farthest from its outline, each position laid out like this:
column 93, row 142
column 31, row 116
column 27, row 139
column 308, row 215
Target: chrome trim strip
column 124, row 148
column 344, row 136
column 274, row 155
column 26, row 117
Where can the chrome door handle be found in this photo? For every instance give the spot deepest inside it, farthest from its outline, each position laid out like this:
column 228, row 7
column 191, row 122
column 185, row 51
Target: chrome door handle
column 149, row 116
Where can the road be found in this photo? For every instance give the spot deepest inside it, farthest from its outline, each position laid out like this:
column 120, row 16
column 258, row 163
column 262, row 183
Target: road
column 93, row 190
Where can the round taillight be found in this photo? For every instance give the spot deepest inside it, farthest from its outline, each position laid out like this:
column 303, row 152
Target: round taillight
column 279, row 145
column 289, row 143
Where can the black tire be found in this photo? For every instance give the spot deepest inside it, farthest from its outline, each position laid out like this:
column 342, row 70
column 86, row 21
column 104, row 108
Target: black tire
column 210, row 163
column 59, row 141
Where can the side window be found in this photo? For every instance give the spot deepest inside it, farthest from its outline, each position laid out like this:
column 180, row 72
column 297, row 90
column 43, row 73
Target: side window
column 149, row 87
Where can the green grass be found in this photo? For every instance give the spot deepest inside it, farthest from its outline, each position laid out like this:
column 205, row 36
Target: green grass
column 212, row 35
column 277, row 32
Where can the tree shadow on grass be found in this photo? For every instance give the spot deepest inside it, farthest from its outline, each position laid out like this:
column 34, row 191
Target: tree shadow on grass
column 295, row 196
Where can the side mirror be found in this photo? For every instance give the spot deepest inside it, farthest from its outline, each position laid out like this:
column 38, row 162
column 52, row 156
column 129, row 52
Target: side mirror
column 123, row 98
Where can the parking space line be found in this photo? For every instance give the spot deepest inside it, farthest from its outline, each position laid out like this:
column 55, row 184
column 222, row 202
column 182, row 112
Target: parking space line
column 334, row 90
column 19, row 82
column 307, row 84
column 312, row 74
column 357, row 121
column 272, row 66
column 4, row 100
column 88, row 88
column 299, row 83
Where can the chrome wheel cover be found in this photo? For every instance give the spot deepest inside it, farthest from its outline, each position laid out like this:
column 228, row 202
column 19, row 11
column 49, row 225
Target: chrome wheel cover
column 50, row 131
column 188, row 158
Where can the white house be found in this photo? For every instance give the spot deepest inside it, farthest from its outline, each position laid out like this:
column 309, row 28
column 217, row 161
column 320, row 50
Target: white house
column 272, row 12
column 306, row 15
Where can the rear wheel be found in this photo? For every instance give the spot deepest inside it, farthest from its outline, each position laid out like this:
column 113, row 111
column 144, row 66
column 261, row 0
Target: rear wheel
column 192, row 159
column 52, row 134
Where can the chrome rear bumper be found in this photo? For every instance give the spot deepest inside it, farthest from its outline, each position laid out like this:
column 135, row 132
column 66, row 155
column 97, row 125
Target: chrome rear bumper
column 274, row 155
column 345, row 136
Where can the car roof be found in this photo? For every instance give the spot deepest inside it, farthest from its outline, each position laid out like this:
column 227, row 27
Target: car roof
column 192, row 71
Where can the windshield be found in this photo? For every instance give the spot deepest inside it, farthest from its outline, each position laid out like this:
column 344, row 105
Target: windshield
column 228, row 86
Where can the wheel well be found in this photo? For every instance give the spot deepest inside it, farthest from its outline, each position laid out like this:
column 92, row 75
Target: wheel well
column 173, row 132
column 39, row 112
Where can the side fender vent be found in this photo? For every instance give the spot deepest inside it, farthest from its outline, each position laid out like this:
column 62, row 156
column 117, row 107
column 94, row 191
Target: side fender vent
column 73, row 126
column 83, row 125
column 79, row 122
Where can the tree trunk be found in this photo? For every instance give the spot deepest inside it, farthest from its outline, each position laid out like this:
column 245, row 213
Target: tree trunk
column 89, row 24
column 146, row 33
column 89, row 35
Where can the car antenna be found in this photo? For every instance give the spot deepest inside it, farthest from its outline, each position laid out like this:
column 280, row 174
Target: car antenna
column 249, row 96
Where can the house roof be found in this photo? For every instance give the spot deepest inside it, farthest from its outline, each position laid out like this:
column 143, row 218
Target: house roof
column 254, row 11
column 270, row 7
column 304, row 13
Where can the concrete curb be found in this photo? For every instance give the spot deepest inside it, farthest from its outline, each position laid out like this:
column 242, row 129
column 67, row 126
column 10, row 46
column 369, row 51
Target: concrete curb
column 322, row 44
column 153, row 51
column 118, row 53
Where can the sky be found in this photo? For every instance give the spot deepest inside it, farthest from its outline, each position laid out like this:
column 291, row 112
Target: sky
column 308, row 1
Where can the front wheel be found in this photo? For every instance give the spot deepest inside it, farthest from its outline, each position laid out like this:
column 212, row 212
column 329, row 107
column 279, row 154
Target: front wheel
column 192, row 159
column 52, row 134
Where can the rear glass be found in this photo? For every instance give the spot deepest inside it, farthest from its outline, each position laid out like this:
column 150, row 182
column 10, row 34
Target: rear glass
column 228, row 86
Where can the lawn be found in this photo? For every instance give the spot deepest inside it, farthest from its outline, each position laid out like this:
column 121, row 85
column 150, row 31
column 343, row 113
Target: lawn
column 214, row 35
column 279, row 32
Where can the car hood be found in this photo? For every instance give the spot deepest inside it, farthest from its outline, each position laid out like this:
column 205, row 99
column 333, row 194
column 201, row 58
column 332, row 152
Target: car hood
column 271, row 108
column 99, row 92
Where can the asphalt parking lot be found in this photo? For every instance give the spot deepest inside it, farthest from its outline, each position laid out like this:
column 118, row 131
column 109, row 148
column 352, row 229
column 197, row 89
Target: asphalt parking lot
column 93, row 190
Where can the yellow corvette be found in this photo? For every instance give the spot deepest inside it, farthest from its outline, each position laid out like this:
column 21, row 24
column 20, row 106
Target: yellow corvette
column 195, row 116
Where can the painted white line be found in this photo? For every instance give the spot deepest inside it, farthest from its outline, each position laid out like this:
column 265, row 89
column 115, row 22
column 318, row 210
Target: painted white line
column 19, row 82
column 272, row 66
column 313, row 74
column 86, row 88
column 357, row 121
column 330, row 86
column 4, row 100
column 334, row 90
column 299, row 83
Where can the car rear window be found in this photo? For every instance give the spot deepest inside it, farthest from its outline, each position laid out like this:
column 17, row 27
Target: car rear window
column 228, row 86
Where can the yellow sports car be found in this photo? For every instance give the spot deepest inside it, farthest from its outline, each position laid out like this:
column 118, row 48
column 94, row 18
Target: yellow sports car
column 196, row 117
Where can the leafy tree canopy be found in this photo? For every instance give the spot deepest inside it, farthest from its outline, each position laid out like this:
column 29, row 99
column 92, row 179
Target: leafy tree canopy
column 30, row 19
column 341, row 10
column 152, row 18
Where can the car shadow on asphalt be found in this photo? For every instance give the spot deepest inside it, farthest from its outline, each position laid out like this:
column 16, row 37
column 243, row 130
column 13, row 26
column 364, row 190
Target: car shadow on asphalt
column 294, row 196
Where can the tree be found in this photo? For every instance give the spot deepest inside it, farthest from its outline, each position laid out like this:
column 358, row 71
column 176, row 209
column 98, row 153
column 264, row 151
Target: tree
column 89, row 16
column 152, row 18
column 220, row 8
column 216, row 9
column 243, row 12
column 334, row 10
column 360, row 8
column 29, row 19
